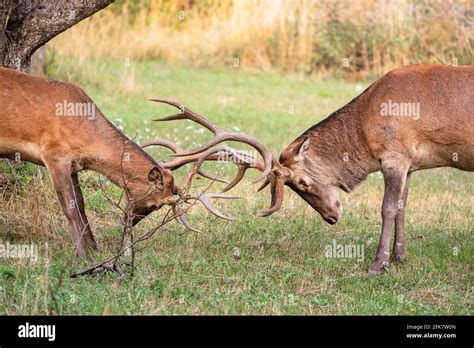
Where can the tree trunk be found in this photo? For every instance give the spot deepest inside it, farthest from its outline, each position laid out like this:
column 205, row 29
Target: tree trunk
column 26, row 25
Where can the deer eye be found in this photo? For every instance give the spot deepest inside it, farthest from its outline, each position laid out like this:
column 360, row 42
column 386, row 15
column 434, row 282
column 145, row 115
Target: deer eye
column 303, row 183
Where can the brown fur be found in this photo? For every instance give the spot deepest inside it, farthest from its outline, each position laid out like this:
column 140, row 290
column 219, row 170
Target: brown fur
column 31, row 128
column 357, row 140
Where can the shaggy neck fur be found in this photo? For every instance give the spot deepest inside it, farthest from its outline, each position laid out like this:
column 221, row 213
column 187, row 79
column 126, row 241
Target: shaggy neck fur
column 341, row 148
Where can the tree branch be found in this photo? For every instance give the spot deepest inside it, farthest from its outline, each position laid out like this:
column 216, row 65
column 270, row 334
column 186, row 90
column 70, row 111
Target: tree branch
column 5, row 8
column 33, row 23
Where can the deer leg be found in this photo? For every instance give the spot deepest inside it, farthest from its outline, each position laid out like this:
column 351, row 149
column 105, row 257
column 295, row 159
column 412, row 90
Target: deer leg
column 60, row 174
column 395, row 172
column 87, row 235
column 399, row 248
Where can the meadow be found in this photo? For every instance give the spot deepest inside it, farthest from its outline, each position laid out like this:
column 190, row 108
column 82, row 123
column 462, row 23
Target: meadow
column 274, row 265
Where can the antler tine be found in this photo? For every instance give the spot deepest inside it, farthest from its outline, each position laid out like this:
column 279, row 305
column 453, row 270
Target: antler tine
column 220, row 136
column 265, row 184
column 221, row 153
column 205, row 199
column 224, row 136
column 165, row 143
column 240, row 174
column 277, row 190
column 185, row 114
column 175, row 164
column 242, row 164
column 181, row 217
column 215, row 157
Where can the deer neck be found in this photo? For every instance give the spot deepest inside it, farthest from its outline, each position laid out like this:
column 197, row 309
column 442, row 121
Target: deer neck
column 120, row 160
column 342, row 149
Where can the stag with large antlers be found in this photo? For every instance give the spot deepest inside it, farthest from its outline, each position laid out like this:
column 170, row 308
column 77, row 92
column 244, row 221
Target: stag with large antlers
column 56, row 125
column 413, row 118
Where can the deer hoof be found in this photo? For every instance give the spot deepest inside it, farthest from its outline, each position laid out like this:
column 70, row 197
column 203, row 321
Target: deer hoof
column 378, row 268
column 399, row 258
column 373, row 272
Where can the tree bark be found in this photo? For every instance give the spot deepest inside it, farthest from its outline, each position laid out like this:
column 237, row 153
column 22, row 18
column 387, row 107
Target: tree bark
column 26, row 25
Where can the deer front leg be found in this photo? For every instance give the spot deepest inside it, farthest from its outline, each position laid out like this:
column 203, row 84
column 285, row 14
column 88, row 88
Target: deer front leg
column 87, row 235
column 394, row 172
column 72, row 203
column 399, row 246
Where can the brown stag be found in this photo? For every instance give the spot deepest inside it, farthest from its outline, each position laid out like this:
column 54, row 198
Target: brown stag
column 40, row 123
column 413, row 118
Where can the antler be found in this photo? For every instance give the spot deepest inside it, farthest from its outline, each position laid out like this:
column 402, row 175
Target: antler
column 275, row 174
column 179, row 162
column 242, row 159
column 243, row 163
column 205, row 199
column 220, row 136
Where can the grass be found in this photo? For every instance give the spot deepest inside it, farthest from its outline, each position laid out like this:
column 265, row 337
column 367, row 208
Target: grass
column 282, row 267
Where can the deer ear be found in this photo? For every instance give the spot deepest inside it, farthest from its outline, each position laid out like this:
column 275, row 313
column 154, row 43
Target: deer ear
column 155, row 176
column 301, row 149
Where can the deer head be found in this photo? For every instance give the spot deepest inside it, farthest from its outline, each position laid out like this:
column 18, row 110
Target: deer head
column 147, row 195
column 303, row 171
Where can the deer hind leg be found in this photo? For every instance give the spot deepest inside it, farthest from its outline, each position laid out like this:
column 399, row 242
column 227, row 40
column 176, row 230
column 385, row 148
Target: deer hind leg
column 395, row 171
column 72, row 203
column 399, row 247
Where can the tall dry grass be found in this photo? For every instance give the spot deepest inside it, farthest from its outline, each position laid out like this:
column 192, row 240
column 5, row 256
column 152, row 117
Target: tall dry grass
column 355, row 38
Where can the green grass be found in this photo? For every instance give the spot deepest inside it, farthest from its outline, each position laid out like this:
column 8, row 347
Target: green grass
column 282, row 267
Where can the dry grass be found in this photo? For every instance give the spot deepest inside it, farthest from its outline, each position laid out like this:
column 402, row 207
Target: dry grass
column 304, row 36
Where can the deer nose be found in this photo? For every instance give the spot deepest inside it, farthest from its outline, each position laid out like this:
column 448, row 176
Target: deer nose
column 331, row 220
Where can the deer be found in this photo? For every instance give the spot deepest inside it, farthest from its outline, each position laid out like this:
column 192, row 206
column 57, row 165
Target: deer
column 412, row 118
column 56, row 125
